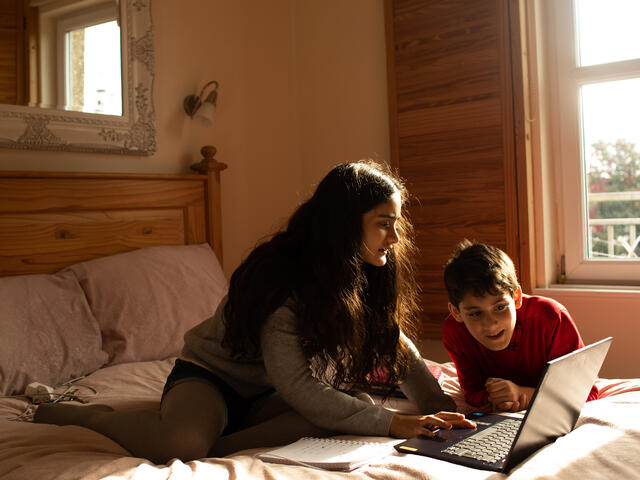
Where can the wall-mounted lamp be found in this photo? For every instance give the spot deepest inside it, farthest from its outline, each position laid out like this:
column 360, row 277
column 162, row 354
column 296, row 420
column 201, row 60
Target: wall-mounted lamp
column 197, row 106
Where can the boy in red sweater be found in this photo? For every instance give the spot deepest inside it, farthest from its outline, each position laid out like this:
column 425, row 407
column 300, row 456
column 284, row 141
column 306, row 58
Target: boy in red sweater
column 498, row 337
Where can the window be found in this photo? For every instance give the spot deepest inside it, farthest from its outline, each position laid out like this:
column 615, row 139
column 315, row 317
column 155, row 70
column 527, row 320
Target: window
column 594, row 80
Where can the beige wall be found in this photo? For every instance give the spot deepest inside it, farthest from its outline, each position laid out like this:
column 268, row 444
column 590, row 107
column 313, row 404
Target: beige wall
column 302, row 87
column 600, row 314
column 341, row 83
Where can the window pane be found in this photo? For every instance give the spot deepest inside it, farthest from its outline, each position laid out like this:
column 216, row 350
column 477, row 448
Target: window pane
column 94, row 79
column 607, row 30
column 611, row 134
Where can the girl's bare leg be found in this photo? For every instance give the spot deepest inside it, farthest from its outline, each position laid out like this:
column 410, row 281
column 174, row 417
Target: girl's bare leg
column 191, row 418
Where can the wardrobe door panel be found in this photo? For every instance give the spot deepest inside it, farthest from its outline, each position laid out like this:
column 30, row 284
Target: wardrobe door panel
column 453, row 133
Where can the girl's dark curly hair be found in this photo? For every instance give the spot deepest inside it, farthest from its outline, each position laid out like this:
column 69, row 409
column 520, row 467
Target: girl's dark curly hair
column 350, row 314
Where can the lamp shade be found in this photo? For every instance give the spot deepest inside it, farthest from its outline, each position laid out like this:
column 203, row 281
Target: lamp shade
column 205, row 113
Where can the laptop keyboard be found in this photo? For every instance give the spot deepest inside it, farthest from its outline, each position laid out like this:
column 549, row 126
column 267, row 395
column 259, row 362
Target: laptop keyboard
column 489, row 445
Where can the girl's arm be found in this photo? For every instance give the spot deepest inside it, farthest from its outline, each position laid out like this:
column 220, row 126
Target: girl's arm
column 409, row 426
column 421, row 387
column 424, row 391
column 322, row 405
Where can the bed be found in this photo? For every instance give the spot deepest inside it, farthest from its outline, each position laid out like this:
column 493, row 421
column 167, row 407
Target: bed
column 100, row 276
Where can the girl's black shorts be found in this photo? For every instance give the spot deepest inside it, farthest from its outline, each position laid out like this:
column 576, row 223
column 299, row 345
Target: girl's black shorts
column 237, row 405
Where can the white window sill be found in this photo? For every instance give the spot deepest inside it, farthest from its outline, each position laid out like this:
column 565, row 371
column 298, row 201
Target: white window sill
column 590, row 290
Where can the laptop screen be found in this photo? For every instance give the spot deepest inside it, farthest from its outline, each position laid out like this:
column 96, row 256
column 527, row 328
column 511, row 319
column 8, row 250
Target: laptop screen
column 558, row 399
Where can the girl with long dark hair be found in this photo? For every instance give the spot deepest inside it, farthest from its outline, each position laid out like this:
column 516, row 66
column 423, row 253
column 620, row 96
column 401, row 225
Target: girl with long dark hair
column 313, row 316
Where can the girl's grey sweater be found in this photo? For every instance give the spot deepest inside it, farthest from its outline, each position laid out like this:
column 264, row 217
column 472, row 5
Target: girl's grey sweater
column 283, row 366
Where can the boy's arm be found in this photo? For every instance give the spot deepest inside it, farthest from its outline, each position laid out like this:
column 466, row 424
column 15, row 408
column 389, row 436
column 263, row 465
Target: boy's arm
column 566, row 338
column 470, row 377
column 470, row 380
column 506, row 395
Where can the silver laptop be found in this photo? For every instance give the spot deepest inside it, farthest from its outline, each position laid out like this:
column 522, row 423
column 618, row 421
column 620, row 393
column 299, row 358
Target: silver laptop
column 502, row 441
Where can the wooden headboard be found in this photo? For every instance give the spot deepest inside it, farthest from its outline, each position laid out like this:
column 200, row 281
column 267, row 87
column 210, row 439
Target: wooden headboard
column 51, row 220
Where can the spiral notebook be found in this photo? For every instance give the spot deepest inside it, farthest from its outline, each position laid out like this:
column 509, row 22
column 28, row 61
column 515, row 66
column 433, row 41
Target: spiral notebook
column 328, row 453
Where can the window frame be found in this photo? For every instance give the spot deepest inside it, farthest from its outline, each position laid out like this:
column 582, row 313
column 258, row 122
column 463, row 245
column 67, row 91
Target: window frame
column 562, row 103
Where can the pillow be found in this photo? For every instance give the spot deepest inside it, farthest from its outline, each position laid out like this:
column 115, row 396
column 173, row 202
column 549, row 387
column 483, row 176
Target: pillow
column 145, row 300
column 48, row 333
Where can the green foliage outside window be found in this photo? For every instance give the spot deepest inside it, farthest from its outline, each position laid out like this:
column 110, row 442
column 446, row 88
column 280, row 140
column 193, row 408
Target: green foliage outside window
column 614, row 167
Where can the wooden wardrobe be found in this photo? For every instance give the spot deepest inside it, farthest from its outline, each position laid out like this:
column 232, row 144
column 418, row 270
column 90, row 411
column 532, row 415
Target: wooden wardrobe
column 457, row 133
column 18, row 53
column 11, row 52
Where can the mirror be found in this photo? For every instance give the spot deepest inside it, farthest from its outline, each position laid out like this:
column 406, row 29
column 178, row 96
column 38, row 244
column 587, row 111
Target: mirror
column 83, row 78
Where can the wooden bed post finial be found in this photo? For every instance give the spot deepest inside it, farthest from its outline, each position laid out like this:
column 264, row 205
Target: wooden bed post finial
column 211, row 167
column 208, row 163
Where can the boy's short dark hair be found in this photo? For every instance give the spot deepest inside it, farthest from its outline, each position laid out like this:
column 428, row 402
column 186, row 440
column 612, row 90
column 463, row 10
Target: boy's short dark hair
column 481, row 269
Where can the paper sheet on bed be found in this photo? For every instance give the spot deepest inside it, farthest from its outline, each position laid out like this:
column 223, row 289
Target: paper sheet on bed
column 327, row 453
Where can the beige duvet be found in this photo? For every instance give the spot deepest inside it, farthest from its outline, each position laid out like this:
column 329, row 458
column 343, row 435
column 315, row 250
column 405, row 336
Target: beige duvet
column 605, row 443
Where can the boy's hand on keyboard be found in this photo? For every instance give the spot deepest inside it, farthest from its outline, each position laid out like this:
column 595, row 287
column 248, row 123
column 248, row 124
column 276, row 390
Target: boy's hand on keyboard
column 409, row 426
column 507, row 396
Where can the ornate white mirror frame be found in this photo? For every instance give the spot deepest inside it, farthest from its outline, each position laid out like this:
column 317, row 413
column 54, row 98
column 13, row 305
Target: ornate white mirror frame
column 132, row 133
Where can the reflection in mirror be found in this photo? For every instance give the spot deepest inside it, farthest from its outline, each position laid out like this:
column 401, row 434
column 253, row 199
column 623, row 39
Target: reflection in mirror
column 75, row 56
column 77, row 75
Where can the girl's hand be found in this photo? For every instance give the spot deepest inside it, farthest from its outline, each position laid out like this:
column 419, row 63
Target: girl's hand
column 409, row 426
column 505, row 395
